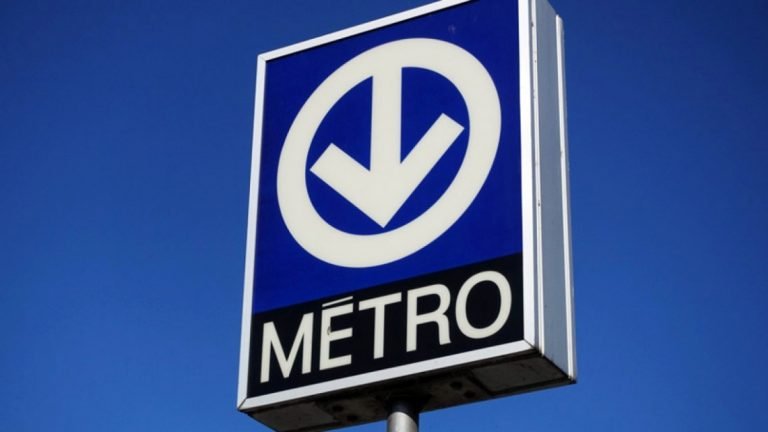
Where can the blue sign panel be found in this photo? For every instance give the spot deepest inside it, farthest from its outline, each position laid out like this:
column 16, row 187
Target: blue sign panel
column 388, row 222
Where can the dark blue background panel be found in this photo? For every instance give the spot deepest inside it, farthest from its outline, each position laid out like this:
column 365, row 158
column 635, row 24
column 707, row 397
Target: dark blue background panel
column 286, row 274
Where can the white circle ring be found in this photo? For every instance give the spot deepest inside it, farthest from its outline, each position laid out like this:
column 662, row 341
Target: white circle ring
column 341, row 248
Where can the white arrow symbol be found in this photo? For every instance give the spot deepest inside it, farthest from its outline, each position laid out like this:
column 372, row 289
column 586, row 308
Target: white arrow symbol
column 381, row 191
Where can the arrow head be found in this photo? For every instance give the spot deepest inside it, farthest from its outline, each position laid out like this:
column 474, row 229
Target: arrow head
column 381, row 191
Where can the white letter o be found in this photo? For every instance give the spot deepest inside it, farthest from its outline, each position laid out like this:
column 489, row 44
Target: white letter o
column 505, row 306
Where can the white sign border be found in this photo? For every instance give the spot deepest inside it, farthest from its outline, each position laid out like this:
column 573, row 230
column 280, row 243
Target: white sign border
column 528, row 209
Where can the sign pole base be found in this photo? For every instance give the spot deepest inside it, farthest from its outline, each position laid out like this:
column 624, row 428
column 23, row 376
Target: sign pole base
column 404, row 414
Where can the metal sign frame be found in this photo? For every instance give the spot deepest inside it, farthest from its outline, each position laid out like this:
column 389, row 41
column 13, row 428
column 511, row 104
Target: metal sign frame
column 547, row 261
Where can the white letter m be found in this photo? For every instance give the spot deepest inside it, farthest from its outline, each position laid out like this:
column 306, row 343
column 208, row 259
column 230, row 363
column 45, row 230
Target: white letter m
column 271, row 342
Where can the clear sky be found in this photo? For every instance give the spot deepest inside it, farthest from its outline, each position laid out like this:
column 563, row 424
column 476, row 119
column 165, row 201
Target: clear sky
column 125, row 134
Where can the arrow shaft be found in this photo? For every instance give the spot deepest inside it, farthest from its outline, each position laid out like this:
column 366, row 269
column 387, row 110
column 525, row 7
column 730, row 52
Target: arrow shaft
column 386, row 113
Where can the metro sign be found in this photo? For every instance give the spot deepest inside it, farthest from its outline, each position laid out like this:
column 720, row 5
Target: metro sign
column 408, row 224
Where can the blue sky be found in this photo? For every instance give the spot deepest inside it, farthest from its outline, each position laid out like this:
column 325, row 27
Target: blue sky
column 125, row 133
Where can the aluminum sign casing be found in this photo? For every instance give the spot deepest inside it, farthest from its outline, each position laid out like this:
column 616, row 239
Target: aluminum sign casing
column 408, row 223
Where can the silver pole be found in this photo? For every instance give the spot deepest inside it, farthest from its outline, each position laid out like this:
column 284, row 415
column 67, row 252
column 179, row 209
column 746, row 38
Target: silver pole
column 403, row 416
